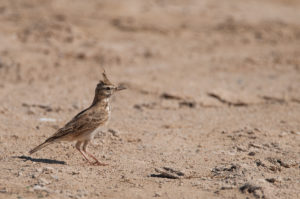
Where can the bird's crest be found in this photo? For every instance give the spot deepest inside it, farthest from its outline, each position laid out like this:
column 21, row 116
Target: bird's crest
column 105, row 80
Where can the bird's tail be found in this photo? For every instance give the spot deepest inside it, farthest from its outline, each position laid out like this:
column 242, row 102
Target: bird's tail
column 39, row 147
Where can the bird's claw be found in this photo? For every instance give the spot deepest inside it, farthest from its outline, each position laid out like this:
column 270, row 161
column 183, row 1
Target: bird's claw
column 97, row 163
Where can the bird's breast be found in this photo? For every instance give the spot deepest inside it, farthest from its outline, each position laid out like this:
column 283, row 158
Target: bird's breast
column 107, row 108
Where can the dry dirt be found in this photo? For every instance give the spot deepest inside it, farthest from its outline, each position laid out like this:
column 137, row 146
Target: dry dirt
column 212, row 108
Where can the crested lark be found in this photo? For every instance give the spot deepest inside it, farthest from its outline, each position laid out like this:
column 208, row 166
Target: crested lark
column 82, row 127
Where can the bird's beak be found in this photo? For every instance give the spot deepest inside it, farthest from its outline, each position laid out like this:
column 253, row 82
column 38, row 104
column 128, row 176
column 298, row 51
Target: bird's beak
column 120, row 87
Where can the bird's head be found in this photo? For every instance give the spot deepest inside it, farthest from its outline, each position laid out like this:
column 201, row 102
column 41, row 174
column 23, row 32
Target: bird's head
column 105, row 88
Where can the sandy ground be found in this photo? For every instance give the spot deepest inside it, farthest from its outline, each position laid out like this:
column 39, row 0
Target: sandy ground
column 212, row 108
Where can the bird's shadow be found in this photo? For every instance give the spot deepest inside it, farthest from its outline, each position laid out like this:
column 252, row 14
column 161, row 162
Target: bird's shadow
column 41, row 160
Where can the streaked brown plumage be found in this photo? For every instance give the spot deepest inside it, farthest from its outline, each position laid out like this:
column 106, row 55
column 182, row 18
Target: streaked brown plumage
column 82, row 127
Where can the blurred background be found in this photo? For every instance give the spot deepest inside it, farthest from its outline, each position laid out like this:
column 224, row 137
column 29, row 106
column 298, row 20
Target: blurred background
column 187, row 46
column 193, row 68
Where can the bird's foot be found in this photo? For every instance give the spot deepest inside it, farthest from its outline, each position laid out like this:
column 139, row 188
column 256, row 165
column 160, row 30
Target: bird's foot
column 97, row 163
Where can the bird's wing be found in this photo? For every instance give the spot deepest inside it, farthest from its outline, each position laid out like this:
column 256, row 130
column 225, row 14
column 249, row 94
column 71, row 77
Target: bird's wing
column 84, row 121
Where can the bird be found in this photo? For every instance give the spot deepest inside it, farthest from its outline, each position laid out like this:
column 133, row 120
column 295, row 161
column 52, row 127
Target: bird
column 83, row 126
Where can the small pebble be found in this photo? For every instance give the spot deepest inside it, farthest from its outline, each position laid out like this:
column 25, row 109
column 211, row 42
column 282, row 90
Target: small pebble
column 271, row 180
column 113, row 132
column 44, row 119
column 157, row 194
column 43, row 181
column 39, row 170
column 48, row 170
column 54, row 177
column 3, row 190
column 40, row 188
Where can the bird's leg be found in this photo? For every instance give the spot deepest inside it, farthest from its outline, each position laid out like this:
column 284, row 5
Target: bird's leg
column 97, row 162
column 78, row 148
